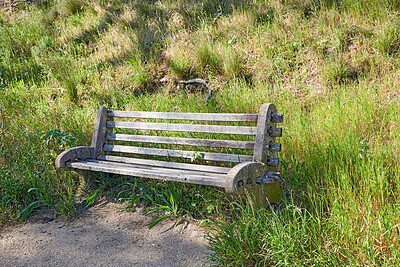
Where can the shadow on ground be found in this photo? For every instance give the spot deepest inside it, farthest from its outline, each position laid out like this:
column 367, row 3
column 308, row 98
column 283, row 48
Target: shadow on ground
column 103, row 237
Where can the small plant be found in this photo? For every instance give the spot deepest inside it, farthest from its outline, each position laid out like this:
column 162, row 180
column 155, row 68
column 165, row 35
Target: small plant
column 335, row 73
column 63, row 140
column 388, row 39
column 171, row 206
column 196, row 155
column 138, row 74
column 29, row 209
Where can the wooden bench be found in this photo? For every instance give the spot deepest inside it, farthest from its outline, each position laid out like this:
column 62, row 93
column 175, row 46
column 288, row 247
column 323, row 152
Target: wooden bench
column 143, row 144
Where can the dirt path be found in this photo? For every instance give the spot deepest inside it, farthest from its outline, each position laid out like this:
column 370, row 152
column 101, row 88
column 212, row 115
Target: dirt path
column 103, row 237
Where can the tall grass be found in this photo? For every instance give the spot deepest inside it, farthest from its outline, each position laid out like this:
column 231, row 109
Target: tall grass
column 330, row 66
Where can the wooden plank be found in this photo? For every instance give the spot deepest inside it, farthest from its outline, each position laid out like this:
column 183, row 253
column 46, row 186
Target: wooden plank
column 263, row 137
column 182, row 141
column 155, row 168
column 242, row 179
column 99, row 131
column 275, row 147
column 273, row 161
column 175, row 127
column 80, row 152
column 168, row 164
column 232, row 117
column 275, row 132
column 165, row 174
column 277, row 118
column 178, row 153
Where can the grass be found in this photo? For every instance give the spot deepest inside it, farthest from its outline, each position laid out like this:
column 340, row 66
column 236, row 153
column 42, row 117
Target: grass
column 330, row 66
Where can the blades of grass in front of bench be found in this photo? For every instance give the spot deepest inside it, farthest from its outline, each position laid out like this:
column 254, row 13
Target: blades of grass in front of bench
column 166, row 164
column 178, row 153
column 163, row 173
column 181, row 141
column 175, row 127
column 231, row 117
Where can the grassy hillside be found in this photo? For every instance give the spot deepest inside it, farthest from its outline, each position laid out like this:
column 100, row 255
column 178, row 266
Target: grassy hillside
column 332, row 67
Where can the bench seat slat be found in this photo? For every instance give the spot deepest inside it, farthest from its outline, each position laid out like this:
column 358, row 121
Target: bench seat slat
column 181, row 141
column 155, row 168
column 178, row 153
column 164, row 174
column 168, row 164
column 175, row 127
column 232, row 117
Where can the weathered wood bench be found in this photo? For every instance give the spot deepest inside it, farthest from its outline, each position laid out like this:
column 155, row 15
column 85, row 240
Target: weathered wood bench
column 142, row 144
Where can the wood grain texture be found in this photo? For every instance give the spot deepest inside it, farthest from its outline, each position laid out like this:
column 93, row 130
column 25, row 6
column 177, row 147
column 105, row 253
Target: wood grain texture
column 275, row 132
column 276, row 118
column 156, row 168
column 261, row 146
column 175, row 127
column 99, row 131
column 209, row 156
column 241, row 179
column 72, row 154
column 275, row 147
column 231, row 117
column 167, row 164
column 182, row 141
column 164, row 174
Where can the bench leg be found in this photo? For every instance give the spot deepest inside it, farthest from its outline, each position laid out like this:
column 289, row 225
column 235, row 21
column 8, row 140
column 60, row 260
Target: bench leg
column 263, row 194
column 243, row 180
column 86, row 179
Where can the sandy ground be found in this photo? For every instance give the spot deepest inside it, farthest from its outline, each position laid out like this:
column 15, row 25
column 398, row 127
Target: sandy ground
column 102, row 236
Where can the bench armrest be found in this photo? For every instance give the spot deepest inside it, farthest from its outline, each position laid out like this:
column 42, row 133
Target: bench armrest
column 247, row 178
column 80, row 152
column 243, row 176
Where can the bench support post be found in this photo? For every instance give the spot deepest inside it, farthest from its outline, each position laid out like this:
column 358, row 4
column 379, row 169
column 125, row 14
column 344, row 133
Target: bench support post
column 263, row 158
column 86, row 182
column 100, row 128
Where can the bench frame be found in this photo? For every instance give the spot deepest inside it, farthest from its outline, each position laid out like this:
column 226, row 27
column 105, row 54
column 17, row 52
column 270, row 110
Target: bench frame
column 258, row 176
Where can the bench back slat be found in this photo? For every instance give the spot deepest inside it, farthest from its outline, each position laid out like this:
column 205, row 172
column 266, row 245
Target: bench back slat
column 181, row 141
column 231, row 117
column 175, row 127
column 178, row 153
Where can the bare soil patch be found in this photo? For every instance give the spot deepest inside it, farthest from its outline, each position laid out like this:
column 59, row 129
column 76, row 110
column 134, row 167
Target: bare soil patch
column 103, row 236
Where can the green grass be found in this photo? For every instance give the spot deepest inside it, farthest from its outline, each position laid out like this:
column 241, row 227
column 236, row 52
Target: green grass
column 330, row 66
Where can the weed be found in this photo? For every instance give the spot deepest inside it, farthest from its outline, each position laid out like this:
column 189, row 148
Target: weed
column 29, row 209
column 196, row 155
column 62, row 139
column 336, row 72
column 171, row 206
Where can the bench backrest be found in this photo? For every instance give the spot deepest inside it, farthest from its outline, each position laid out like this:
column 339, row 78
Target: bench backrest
column 160, row 134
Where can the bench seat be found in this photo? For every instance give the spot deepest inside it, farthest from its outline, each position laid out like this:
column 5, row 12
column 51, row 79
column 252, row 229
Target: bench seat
column 179, row 172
